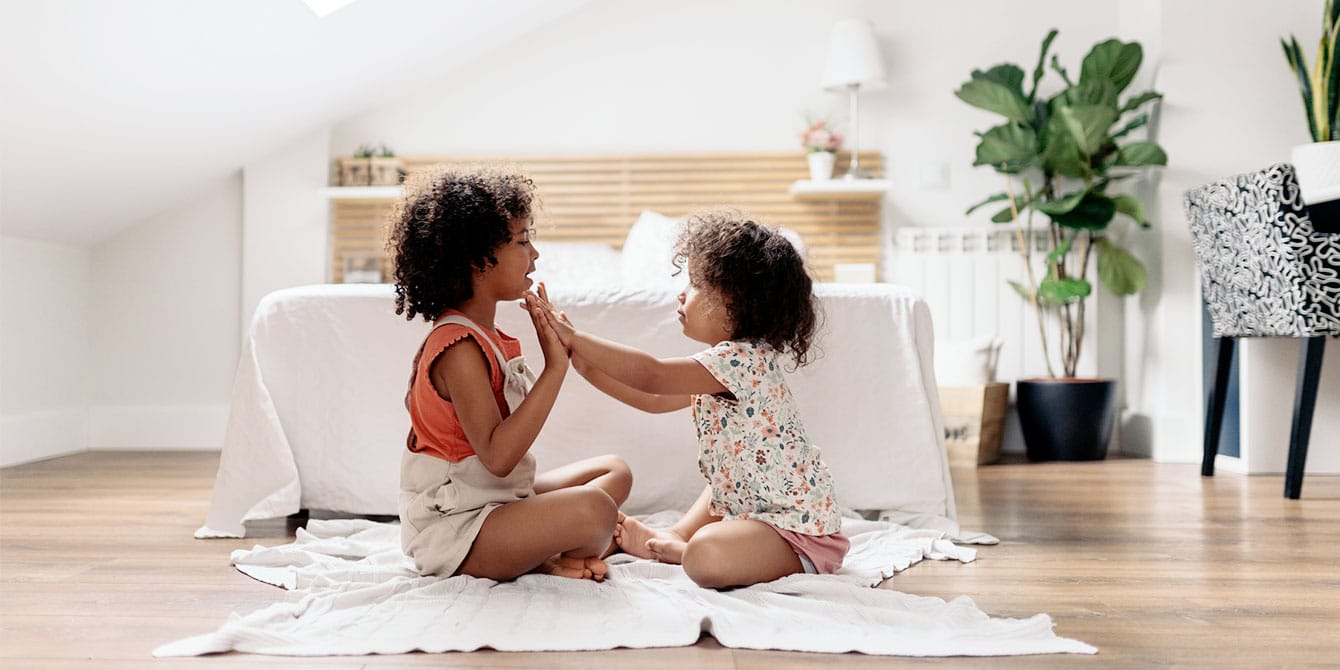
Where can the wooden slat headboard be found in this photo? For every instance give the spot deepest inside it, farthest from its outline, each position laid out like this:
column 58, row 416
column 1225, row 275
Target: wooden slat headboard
column 597, row 198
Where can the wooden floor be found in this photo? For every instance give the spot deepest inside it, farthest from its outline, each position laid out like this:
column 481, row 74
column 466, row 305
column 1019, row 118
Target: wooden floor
column 1150, row 563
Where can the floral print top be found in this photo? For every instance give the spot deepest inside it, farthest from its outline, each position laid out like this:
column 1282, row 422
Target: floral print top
column 752, row 448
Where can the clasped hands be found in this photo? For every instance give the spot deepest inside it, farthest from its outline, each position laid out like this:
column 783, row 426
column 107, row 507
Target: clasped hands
column 552, row 326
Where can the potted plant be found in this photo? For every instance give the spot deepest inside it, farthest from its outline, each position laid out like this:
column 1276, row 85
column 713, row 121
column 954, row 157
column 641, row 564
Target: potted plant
column 821, row 145
column 370, row 166
column 1060, row 157
column 1317, row 164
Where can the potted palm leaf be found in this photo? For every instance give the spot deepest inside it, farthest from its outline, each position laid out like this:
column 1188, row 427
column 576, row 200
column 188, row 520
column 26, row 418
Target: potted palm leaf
column 1062, row 158
column 1317, row 164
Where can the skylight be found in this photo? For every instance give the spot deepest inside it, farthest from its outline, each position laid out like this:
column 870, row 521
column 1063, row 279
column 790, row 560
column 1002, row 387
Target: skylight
column 324, row 8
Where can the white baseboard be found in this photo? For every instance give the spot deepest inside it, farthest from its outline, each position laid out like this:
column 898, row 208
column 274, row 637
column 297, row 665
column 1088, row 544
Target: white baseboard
column 34, row 436
column 1230, row 464
column 162, row 427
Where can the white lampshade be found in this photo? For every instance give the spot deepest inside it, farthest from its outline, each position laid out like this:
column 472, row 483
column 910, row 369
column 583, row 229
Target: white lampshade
column 853, row 57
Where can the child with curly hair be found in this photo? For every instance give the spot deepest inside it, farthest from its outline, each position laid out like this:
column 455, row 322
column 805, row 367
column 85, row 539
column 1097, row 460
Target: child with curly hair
column 768, row 509
column 470, row 501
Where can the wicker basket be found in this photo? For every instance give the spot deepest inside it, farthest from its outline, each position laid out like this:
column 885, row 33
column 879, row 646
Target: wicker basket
column 974, row 422
column 367, row 171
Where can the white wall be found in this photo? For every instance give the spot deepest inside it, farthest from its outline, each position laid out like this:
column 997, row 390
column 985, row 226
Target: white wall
column 285, row 222
column 1231, row 106
column 44, row 361
column 739, row 76
column 165, row 311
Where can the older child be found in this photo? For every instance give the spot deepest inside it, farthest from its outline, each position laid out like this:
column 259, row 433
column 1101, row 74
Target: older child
column 768, row 509
column 470, row 500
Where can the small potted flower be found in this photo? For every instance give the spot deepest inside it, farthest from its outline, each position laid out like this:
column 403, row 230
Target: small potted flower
column 369, row 166
column 820, row 144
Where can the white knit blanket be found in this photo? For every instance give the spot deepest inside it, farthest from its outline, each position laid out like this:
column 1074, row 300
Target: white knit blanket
column 359, row 594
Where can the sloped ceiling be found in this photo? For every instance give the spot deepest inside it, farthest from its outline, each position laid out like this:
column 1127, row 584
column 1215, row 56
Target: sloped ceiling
column 112, row 111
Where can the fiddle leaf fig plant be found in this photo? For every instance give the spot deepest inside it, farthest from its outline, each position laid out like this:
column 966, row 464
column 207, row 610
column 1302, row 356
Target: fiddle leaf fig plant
column 1059, row 156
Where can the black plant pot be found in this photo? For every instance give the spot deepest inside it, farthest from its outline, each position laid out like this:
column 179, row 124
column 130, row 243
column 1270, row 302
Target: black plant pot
column 1066, row 419
column 1325, row 216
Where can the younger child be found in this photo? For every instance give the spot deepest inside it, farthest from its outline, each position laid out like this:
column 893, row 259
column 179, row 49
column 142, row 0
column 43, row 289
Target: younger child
column 768, row 509
column 470, row 501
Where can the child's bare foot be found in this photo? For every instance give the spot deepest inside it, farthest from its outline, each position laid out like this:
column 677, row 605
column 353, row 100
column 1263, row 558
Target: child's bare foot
column 636, row 538
column 596, row 567
column 575, row 568
column 667, row 551
column 560, row 566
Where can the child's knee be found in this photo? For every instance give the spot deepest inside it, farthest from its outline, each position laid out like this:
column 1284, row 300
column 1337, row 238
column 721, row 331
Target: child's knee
column 707, row 565
column 597, row 507
column 620, row 475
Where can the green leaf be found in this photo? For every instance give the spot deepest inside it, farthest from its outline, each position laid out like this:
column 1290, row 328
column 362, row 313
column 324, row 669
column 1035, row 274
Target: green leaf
column 1008, row 148
column 1131, row 125
column 1332, row 79
column 1118, row 270
column 1003, row 216
column 1140, row 99
column 1021, row 290
column 1132, row 207
column 994, row 96
column 1093, row 92
column 1006, row 74
column 1113, row 60
column 1094, row 212
column 1063, row 291
column 990, row 199
column 1042, row 58
column 1060, row 205
column 1056, row 65
column 1059, row 153
column 1055, row 255
column 1088, row 125
column 1137, row 154
column 1293, row 54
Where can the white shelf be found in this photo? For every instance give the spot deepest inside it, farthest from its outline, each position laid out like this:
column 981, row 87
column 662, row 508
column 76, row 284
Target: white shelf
column 361, row 192
column 840, row 189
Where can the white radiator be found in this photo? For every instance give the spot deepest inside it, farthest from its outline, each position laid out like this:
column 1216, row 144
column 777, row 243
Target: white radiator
column 963, row 274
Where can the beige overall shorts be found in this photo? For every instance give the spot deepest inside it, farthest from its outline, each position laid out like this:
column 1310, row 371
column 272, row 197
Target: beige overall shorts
column 443, row 504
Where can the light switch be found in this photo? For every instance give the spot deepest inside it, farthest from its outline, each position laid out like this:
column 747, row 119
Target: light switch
column 933, row 176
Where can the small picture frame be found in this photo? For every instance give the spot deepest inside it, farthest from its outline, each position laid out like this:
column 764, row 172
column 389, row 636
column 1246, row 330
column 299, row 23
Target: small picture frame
column 362, row 269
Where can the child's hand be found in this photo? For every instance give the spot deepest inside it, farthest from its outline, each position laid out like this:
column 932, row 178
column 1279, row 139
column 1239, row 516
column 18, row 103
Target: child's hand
column 554, row 348
column 558, row 321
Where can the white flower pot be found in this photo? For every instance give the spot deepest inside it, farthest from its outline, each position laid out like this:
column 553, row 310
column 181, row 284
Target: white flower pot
column 821, row 165
column 1317, row 167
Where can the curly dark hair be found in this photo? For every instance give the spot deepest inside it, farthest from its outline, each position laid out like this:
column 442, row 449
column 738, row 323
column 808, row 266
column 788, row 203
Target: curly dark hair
column 760, row 275
column 446, row 227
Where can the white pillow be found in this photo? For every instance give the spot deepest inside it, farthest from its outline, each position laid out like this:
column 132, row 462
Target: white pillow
column 576, row 264
column 647, row 258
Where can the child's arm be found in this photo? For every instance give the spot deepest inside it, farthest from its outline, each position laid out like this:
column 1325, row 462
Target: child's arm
column 634, row 368
column 500, row 442
column 647, row 402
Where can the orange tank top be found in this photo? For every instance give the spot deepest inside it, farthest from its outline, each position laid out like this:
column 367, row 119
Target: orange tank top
column 435, row 428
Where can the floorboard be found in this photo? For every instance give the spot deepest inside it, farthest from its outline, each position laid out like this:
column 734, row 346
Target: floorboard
column 1149, row 562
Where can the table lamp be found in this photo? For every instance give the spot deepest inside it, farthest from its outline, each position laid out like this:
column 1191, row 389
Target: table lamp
column 854, row 63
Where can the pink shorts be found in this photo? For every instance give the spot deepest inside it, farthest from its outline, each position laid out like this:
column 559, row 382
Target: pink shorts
column 819, row 554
